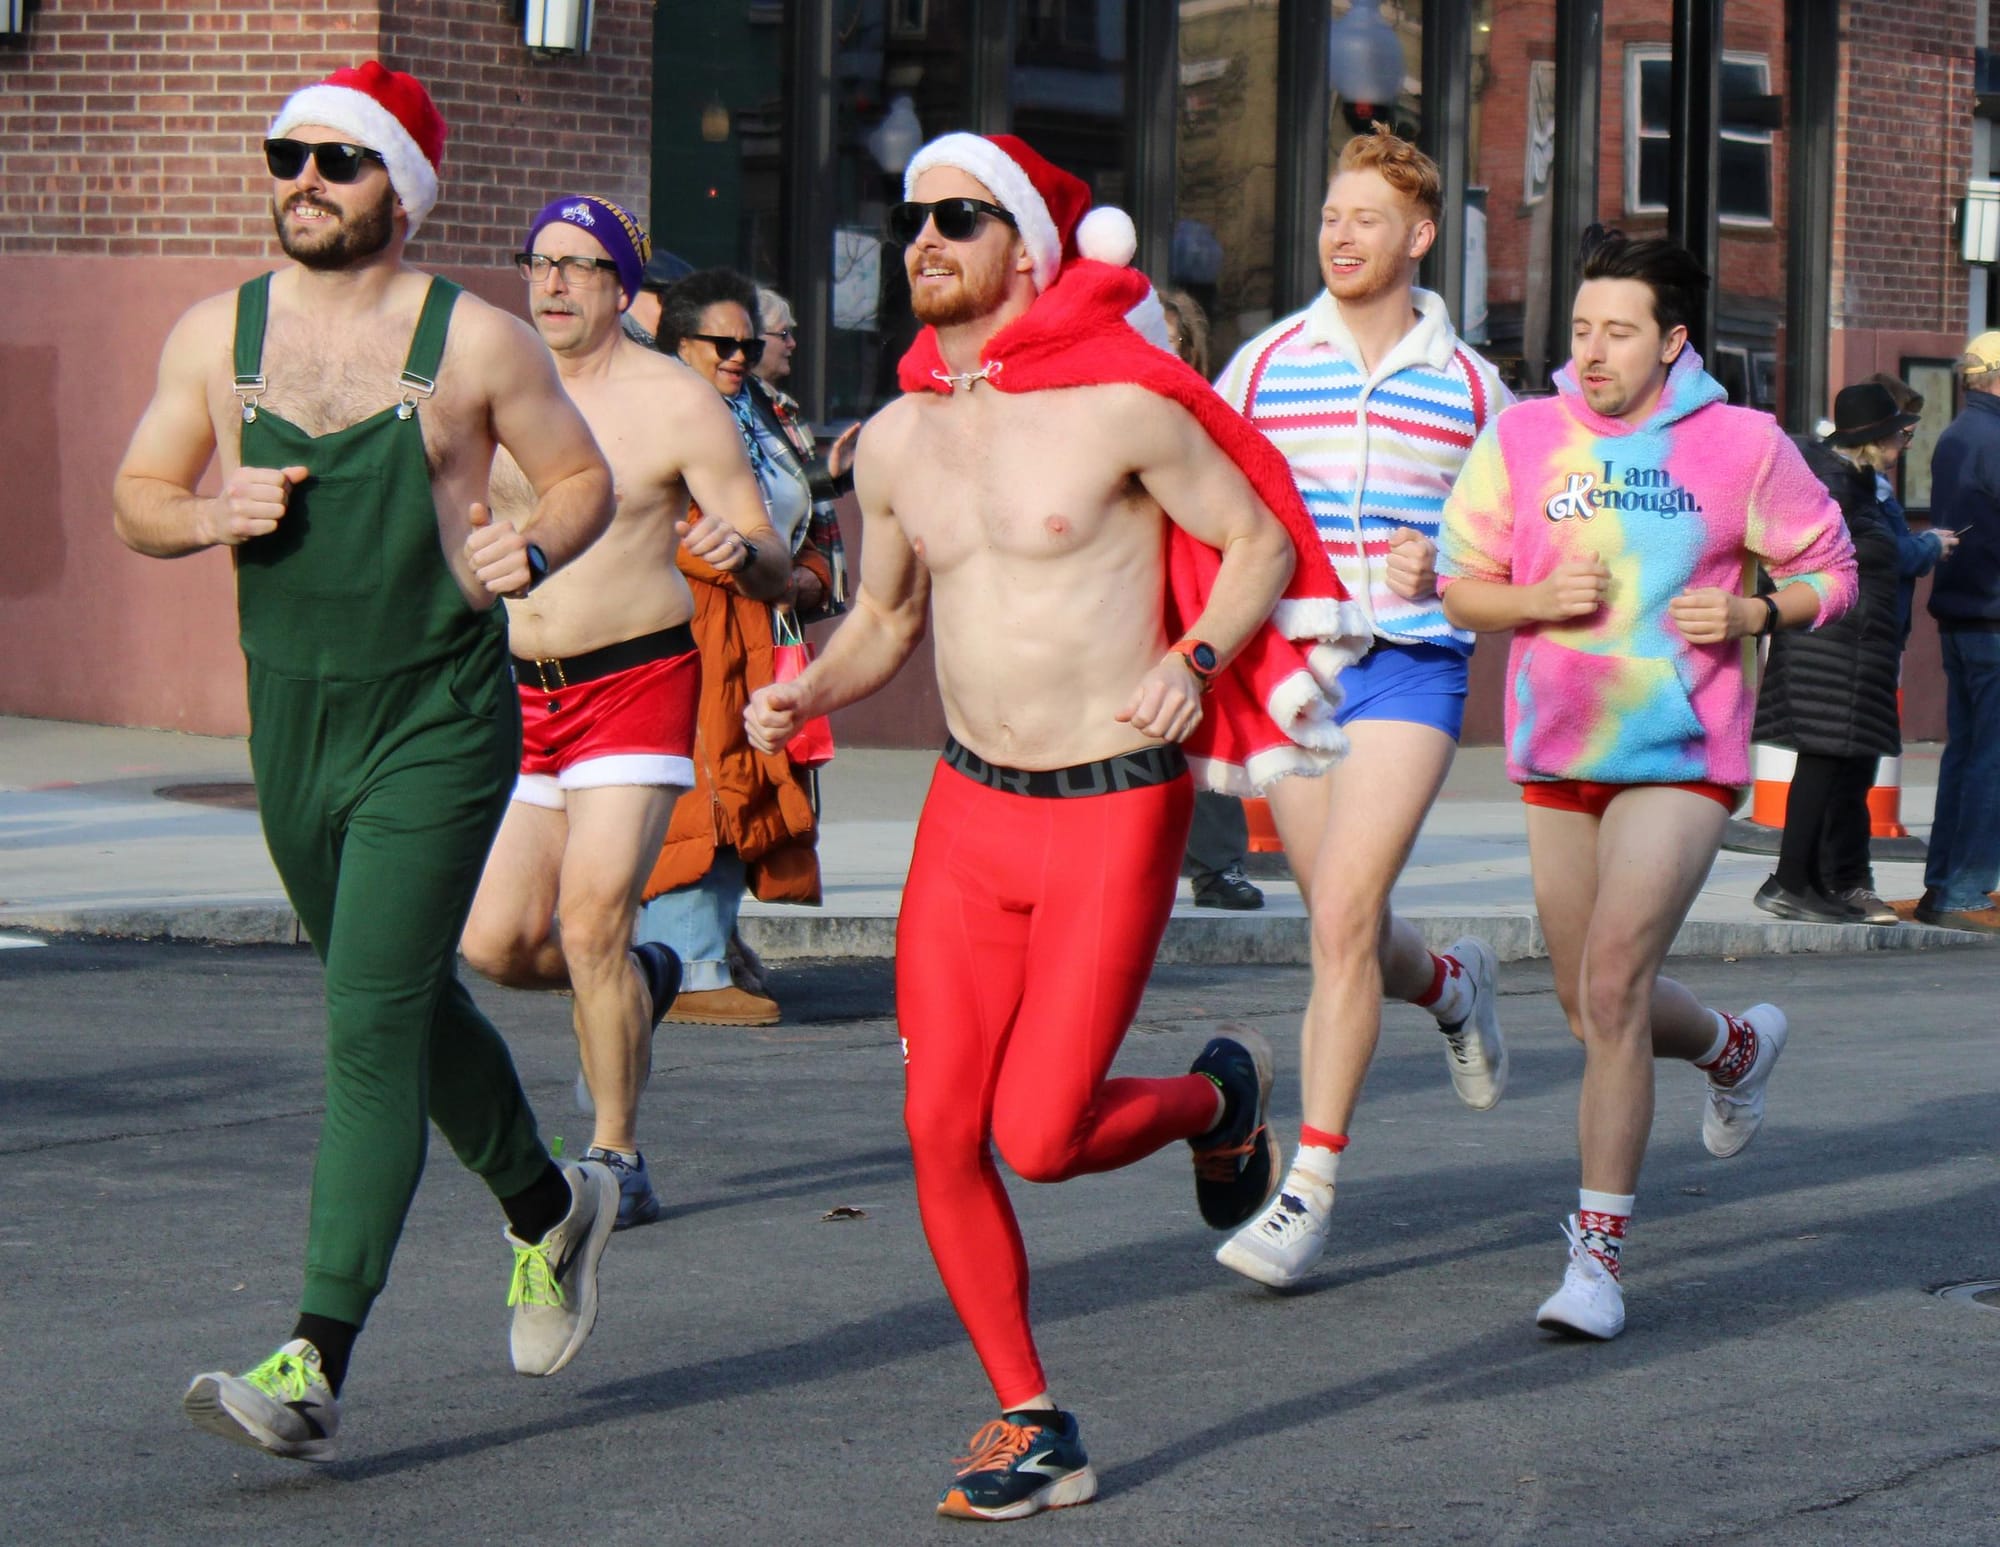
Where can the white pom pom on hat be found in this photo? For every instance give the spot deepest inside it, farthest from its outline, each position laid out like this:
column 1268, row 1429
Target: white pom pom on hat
column 1107, row 235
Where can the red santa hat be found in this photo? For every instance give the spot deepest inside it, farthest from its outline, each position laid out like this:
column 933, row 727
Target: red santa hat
column 387, row 111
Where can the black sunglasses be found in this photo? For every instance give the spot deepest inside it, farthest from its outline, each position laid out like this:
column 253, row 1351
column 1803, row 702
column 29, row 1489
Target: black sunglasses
column 956, row 219
column 752, row 349
column 337, row 162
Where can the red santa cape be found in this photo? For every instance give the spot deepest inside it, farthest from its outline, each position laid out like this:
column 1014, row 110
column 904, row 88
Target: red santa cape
column 1270, row 713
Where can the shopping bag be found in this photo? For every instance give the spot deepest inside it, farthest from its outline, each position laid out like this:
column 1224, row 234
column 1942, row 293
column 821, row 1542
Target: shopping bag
column 790, row 655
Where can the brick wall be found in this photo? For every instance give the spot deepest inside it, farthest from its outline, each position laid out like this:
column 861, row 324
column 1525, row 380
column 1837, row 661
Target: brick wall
column 130, row 126
column 1901, row 167
column 524, row 130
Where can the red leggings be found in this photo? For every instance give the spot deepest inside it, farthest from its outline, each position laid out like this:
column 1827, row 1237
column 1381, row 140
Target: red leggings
column 1028, row 929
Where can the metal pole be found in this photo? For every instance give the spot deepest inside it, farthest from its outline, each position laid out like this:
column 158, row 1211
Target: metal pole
column 992, row 107
column 1152, row 85
column 1304, row 100
column 1447, row 115
column 809, row 196
column 1694, row 149
column 1812, row 68
column 1579, row 82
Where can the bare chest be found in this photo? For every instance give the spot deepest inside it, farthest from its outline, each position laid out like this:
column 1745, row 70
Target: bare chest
column 1016, row 480
column 323, row 383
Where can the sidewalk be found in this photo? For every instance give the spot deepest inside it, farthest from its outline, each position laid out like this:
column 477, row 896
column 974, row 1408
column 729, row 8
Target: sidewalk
column 89, row 845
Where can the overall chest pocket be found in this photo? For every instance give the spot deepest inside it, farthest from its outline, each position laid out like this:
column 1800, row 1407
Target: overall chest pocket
column 330, row 542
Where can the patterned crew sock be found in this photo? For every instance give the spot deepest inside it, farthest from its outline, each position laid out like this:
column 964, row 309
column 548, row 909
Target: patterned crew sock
column 1732, row 1053
column 1449, row 997
column 1601, row 1220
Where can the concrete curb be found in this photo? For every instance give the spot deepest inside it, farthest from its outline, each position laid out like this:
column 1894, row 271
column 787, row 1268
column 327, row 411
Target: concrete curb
column 1230, row 940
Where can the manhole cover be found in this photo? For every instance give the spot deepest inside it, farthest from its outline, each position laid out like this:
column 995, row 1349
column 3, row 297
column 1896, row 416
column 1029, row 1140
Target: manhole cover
column 1982, row 1292
column 233, row 797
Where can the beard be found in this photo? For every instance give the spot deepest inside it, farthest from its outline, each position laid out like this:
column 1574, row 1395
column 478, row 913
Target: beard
column 345, row 241
column 978, row 292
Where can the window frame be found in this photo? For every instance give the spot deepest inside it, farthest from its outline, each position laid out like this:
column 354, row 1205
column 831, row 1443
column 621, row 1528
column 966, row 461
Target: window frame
column 1637, row 56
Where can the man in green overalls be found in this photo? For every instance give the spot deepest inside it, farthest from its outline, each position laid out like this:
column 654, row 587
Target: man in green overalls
column 355, row 404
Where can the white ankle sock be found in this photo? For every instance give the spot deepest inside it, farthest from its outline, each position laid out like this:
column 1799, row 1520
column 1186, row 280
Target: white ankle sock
column 1312, row 1176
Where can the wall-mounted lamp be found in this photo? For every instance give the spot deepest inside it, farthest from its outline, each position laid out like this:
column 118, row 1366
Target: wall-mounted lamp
column 554, row 27
column 897, row 137
column 1979, row 223
column 1364, row 59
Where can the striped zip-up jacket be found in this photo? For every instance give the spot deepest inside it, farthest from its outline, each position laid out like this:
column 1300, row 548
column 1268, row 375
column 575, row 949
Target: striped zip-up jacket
column 1370, row 452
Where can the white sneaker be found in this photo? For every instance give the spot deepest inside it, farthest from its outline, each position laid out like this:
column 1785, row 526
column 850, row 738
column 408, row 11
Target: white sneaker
column 1590, row 1304
column 554, row 1288
column 1474, row 1052
column 1279, row 1247
column 284, row 1406
column 1733, row 1114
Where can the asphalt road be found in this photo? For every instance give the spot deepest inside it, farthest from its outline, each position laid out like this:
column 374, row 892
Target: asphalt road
column 761, row 1375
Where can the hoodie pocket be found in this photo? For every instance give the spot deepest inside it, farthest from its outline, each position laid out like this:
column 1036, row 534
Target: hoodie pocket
column 1617, row 718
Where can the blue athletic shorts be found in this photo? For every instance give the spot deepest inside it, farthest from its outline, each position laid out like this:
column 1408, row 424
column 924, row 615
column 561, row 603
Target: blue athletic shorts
column 1420, row 684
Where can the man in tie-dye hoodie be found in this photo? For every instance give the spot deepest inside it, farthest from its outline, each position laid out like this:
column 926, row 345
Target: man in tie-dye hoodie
column 1613, row 528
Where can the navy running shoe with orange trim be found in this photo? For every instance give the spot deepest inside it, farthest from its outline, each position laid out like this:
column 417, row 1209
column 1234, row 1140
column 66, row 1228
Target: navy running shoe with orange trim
column 1021, row 1464
column 1236, row 1161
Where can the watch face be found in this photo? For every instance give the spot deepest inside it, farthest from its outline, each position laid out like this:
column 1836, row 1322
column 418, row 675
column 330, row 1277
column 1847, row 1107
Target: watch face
column 1204, row 658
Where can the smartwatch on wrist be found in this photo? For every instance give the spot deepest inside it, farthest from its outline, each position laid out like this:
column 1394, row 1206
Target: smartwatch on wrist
column 1772, row 617
column 538, row 568
column 1201, row 659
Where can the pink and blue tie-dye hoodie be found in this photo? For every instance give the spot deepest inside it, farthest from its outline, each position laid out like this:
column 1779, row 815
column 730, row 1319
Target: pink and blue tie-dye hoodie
column 1692, row 497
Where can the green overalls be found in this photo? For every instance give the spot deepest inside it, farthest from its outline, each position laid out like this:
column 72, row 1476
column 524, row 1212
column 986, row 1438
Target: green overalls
column 385, row 738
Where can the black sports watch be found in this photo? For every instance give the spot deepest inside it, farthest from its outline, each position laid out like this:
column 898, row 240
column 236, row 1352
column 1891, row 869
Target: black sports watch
column 1772, row 617
column 538, row 568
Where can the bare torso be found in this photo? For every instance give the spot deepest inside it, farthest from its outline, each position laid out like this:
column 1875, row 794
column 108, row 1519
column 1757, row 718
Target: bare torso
column 1046, row 560
column 625, row 584
column 326, row 372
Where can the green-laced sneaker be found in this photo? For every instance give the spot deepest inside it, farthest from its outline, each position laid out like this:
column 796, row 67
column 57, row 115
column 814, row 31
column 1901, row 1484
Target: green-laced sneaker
column 554, row 1288
column 284, row 1406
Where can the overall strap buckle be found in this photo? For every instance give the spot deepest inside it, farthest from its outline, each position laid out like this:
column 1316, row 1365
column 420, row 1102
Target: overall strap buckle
column 415, row 389
column 249, row 389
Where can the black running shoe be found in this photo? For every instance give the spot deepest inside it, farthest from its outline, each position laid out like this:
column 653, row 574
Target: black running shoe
column 1021, row 1464
column 660, row 970
column 1236, row 1162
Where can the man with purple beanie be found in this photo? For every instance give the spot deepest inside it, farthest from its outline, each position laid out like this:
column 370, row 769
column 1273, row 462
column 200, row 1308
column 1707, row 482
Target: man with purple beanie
column 607, row 672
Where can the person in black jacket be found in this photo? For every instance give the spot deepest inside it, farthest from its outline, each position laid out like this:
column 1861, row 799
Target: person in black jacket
column 1830, row 695
column 1964, row 862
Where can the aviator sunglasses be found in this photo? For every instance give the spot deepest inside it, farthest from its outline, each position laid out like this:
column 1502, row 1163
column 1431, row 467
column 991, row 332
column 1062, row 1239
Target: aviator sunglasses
column 726, row 347
column 337, row 162
column 956, row 219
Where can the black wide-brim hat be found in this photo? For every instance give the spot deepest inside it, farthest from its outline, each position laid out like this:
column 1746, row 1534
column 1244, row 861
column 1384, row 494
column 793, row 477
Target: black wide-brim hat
column 1865, row 413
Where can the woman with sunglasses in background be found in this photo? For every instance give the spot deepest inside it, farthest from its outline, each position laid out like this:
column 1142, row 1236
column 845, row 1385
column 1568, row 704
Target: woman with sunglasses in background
column 749, row 819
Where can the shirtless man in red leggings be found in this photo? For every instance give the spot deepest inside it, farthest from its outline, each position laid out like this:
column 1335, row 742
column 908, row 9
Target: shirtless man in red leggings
column 1032, row 527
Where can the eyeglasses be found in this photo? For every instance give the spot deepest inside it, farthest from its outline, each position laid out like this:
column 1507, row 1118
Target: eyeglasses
column 337, row 162
column 575, row 267
column 1907, row 434
column 727, row 348
column 788, row 335
column 956, row 219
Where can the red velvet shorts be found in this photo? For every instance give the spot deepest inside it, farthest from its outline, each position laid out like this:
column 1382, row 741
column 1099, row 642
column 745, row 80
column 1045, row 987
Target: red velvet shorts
column 634, row 726
column 1590, row 797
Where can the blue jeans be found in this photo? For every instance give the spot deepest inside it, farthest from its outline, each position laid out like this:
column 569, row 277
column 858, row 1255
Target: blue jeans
column 695, row 922
column 1964, row 863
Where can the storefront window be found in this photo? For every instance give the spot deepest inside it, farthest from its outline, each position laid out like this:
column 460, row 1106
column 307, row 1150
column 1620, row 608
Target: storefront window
column 1226, row 174
column 1067, row 89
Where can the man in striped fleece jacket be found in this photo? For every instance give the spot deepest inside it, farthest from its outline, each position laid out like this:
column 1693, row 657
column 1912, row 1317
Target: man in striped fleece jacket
column 1375, row 402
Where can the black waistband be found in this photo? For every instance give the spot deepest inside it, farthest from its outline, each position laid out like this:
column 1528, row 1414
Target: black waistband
column 570, row 671
column 1141, row 770
column 1968, row 625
